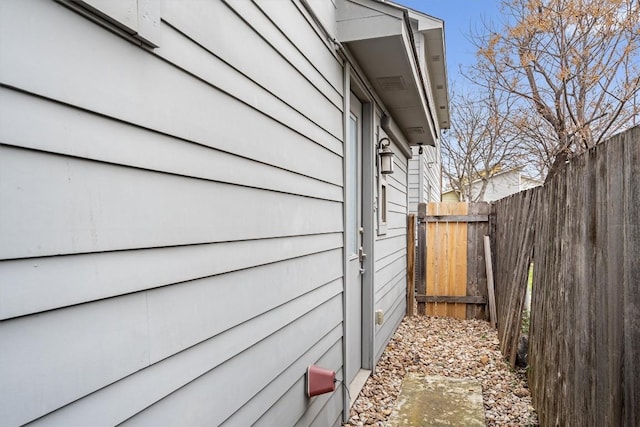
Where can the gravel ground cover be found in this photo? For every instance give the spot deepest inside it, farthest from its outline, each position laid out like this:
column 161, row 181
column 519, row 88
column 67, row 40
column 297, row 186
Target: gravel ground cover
column 452, row 348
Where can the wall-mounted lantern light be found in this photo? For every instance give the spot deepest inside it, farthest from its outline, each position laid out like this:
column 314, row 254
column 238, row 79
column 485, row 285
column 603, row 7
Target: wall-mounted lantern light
column 386, row 156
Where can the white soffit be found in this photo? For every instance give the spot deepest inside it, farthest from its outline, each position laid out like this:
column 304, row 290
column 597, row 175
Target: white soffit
column 378, row 36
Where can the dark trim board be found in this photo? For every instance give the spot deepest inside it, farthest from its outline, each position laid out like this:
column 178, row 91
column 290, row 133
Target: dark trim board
column 457, row 218
column 452, row 299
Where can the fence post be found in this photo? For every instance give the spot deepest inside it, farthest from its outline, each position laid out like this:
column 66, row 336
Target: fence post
column 421, row 269
column 491, row 290
column 411, row 261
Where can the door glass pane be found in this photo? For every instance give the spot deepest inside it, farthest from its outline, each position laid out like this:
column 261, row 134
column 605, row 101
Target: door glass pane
column 352, row 182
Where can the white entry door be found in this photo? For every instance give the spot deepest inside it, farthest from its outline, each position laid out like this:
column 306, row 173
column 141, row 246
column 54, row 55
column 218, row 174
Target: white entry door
column 353, row 236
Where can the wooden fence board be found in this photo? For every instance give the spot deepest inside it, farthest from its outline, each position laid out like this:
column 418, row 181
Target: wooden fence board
column 515, row 225
column 451, row 236
column 447, row 259
column 411, row 260
column 476, row 268
column 490, row 285
column 451, row 299
column 631, row 280
column 583, row 231
column 421, row 255
column 601, row 258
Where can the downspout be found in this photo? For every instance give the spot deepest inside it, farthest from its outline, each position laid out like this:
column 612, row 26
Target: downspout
column 345, row 257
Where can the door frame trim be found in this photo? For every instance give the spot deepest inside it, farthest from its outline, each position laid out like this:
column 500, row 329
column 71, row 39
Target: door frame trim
column 352, row 83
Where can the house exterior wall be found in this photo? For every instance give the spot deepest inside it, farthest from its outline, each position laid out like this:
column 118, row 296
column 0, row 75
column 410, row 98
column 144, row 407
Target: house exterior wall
column 498, row 186
column 160, row 233
column 414, row 181
column 450, row 196
column 171, row 230
column 424, row 177
column 432, row 174
column 390, row 255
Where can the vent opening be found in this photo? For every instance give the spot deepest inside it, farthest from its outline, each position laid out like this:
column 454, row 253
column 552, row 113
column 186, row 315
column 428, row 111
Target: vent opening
column 392, row 83
column 417, row 130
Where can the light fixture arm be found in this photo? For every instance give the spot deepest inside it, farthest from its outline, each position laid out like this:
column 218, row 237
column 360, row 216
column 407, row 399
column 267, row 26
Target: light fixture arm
column 382, row 145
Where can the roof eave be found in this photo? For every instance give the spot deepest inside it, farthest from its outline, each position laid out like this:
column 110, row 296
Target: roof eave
column 379, row 37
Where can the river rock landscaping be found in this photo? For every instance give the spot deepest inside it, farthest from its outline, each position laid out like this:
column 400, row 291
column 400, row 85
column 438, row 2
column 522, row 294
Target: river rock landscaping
column 451, row 348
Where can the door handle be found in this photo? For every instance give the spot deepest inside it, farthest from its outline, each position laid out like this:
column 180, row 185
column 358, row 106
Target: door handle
column 361, row 255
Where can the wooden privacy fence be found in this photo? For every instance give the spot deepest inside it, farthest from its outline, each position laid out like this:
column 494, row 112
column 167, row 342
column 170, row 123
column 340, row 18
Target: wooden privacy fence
column 513, row 225
column 451, row 278
column 582, row 232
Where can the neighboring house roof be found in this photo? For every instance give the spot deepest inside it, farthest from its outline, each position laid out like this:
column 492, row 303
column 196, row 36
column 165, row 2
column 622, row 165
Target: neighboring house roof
column 380, row 37
column 499, row 185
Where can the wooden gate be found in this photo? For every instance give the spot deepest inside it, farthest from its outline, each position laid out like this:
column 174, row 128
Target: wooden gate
column 451, row 277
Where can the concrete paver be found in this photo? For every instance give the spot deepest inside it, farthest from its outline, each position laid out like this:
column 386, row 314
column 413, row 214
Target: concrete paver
column 438, row 401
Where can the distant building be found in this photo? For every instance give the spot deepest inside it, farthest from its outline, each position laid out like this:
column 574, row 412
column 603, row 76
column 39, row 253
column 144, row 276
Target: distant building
column 500, row 185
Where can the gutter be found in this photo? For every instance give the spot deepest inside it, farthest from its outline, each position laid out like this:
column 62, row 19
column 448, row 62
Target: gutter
column 407, row 21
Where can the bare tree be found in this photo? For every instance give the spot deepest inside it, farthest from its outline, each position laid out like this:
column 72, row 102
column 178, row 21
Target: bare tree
column 482, row 142
column 574, row 62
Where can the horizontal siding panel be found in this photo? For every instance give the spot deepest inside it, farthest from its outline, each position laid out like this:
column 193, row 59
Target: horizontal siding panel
column 199, row 60
column 285, row 47
column 330, row 403
column 399, row 174
column 398, row 199
column 388, row 246
column 275, row 62
column 297, row 29
column 151, row 93
column 385, row 332
column 37, row 284
column 291, row 379
column 37, row 123
column 396, row 280
column 186, row 314
column 327, row 417
column 191, row 405
column 58, row 357
column 289, row 407
column 397, row 220
column 116, row 402
column 387, row 297
column 400, row 160
column 398, row 181
column 85, row 211
column 387, row 269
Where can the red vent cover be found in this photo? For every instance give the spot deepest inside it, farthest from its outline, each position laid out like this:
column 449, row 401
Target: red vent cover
column 320, row 380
